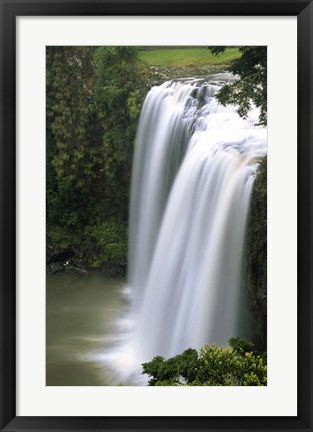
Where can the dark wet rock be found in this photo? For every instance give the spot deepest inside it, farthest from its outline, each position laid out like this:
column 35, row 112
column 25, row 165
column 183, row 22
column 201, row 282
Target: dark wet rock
column 75, row 270
column 56, row 267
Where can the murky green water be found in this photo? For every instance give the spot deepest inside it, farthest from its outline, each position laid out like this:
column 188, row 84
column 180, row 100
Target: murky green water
column 81, row 313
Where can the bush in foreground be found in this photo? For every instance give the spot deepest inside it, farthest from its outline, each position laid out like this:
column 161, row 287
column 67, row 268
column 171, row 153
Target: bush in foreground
column 236, row 365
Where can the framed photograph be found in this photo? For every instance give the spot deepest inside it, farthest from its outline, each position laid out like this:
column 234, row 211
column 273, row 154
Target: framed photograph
column 156, row 208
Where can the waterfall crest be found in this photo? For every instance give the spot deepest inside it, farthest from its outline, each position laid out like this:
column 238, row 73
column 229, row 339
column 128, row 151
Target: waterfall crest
column 192, row 178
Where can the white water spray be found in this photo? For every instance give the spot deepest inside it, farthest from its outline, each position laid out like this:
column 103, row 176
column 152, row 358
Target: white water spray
column 192, row 179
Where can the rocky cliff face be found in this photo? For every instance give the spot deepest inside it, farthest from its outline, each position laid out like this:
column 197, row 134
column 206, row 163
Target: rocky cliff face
column 257, row 256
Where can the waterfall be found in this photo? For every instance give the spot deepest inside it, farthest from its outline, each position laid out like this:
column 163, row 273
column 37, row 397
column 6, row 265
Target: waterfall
column 192, row 178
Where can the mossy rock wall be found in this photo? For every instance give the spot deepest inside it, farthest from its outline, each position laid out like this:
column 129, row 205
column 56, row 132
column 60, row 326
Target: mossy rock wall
column 256, row 257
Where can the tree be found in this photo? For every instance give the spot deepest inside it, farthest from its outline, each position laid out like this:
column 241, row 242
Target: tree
column 251, row 68
column 73, row 153
column 118, row 100
column 94, row 96
column 174, row 371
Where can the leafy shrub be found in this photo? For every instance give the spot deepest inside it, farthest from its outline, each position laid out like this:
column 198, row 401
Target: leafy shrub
column 109, row 242
column 237, row 365
column 173, row 371
column 219, row 366
column 241, row 346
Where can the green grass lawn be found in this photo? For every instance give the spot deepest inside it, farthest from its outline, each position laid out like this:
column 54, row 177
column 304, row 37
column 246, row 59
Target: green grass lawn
column 176, row 57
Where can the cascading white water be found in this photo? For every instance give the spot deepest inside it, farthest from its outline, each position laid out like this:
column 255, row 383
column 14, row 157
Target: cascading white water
column 192, row 179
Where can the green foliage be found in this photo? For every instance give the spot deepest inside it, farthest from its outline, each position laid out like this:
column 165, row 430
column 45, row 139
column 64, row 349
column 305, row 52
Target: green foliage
column 214, row 365
column 61, row 238
column 119, row 98
column 109, row 241
column 241, row 346
column 118, row 85
column 251, row 68
column 71, row 128
column 134, row 104
column 174, row 371
column 94, row 97
column 257, row 253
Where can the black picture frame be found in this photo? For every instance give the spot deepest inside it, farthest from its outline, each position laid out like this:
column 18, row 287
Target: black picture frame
column 9, row 10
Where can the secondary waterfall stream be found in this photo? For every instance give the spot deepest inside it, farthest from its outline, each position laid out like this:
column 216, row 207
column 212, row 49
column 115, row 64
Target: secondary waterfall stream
column 192, row 178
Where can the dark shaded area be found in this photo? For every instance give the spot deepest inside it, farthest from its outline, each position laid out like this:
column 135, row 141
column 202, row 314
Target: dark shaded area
column 257, row 256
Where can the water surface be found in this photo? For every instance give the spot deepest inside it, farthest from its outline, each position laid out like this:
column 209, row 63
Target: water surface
column 81, row 317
